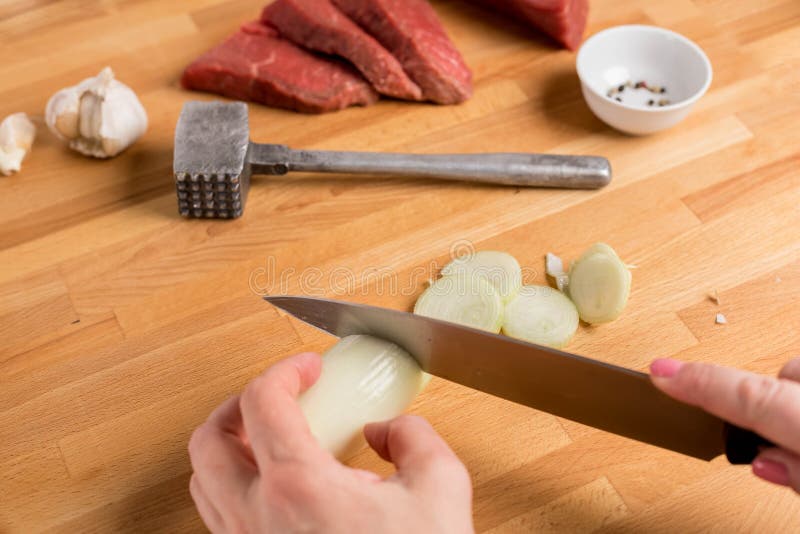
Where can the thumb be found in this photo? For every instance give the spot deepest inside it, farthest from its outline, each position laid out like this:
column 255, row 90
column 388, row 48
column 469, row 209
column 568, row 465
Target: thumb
column 422, row 458
column 778, row 466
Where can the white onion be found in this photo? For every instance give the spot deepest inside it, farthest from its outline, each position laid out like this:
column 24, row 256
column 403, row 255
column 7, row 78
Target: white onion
column 554, row 267
column 463, row 299
column 499, row 268
column 541, row 315
column 364, row 379
column 599, row 284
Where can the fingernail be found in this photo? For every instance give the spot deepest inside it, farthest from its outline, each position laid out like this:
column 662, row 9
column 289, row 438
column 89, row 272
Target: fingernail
column 771, row 471
column 665, row 367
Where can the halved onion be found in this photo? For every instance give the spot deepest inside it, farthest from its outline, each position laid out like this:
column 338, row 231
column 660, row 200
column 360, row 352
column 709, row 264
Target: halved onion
column 364, row 379
column 501, row 269
column 541, row 315
column 463, row 299
column 599, row 284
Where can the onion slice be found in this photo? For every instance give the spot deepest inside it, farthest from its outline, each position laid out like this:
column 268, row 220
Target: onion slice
column 541, row 315
column 463, row 299
column 599, row 284
column 501, row 269
column 364, row 379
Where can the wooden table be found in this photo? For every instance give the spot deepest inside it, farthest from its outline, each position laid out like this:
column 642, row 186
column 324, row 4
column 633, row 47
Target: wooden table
column 123, row 325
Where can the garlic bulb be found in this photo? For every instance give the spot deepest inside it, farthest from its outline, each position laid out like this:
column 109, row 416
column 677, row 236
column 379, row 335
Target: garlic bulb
column 16, row 137
column 99, row 117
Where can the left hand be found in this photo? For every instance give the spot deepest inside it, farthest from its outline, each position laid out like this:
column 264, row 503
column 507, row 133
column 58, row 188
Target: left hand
column 258, row 468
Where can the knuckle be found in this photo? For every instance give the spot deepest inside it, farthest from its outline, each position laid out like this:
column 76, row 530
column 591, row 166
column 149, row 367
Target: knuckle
column 756, row 394
column 456, row 471
column 697, row 379
column 792, row 369
column 198, row 440
column 253, row 390
column 254, row 394
column 193, row 485
column 294, row 483
column 409, row 422
column 238, row 524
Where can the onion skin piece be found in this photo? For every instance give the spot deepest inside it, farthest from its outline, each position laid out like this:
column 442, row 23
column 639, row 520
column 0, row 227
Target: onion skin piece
column 466, row 300
column 599, row 284
column 364, row 379
column 541, row 315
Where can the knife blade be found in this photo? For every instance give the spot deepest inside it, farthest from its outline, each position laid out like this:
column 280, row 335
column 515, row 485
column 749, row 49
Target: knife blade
column 591, row 392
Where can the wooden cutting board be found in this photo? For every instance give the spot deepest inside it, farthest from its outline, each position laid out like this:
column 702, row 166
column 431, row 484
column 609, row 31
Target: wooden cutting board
column 123, row 325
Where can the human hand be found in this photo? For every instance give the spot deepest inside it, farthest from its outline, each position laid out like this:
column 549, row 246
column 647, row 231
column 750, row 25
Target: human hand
column 257, row 468
column 766, row 405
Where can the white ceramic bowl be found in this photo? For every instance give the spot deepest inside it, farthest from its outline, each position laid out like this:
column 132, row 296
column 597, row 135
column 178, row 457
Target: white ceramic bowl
column 661, row 58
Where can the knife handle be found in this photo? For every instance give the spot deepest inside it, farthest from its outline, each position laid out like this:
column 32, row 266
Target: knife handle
column 742, row 446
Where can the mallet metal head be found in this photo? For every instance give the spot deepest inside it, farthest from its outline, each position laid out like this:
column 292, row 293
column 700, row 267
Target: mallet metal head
column 212, row 174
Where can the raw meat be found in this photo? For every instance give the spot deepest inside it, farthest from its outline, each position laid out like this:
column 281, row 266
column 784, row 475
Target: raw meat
column 563, row 20
column 412, row 32
column 319, row 25
column 256, row 64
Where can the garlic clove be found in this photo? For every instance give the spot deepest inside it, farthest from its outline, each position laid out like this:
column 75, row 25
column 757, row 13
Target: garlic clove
column 61, row 113
column 90, row 117
column 121, row 125
column 11, row 161
column 17, row 133
column 66, row 124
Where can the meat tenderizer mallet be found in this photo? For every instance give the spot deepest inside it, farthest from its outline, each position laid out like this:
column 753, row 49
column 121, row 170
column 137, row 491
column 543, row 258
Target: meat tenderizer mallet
column 214, row 159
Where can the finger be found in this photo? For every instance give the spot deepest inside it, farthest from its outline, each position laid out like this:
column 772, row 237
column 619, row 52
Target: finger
column 228, row 418
column 221, row 461
column 778, row 466
column 366, row 476
column 791, row 371
column 769, row 406
column 273, row 421
column 422, row 458
column 210, row 516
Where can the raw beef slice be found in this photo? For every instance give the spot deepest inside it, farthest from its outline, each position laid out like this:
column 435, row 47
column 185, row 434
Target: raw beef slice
column 319, row 25
column 412, row 32
column 563, row 20
column 256, row 64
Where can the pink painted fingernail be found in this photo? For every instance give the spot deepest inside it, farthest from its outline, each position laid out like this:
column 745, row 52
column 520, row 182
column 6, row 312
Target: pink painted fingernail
column 771, row 471
column 665, row 367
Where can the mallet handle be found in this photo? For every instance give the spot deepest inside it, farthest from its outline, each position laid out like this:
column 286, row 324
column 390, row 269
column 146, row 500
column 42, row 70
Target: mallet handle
column 526, row 170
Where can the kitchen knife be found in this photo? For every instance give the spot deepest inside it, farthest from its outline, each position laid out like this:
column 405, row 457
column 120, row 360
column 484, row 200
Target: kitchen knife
column 588, row 391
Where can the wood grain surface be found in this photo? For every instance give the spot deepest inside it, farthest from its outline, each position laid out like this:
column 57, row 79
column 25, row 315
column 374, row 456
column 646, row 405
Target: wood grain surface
column 122, row 325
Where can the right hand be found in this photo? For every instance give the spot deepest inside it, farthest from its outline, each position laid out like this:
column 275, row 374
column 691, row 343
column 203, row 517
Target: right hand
column 766, row 405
